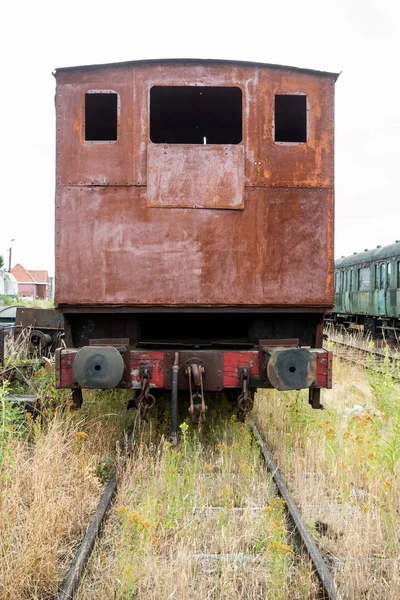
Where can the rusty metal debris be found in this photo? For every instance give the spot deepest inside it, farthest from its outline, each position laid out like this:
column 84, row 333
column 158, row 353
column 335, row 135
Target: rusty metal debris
column 145, row 400
column 245, row 401
column 197, row 405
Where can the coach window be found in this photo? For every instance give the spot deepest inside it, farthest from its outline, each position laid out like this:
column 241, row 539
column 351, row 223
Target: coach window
column 101, row 116
column 382, row 276
column 195, row 115
column 347, row 280
column 337, row 280
column 290, row 118
column 398, row 274
column 363, row 279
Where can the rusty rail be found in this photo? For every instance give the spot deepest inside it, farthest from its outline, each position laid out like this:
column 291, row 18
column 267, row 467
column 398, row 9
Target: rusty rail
column 71, row 582
column 327, row 586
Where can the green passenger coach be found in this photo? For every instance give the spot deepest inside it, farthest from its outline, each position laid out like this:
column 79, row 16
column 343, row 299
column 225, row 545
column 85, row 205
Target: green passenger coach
column 367, row 291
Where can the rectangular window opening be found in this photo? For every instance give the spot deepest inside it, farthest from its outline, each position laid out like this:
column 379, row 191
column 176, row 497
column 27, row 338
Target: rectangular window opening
column 101, row 117
column 195, row 115
column 363, row 279
column 290, row 118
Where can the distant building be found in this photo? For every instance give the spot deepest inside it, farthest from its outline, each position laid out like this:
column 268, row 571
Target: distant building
column 32, row 283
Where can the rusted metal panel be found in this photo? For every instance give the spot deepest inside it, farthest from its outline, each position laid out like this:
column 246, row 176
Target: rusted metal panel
column 194, row 74
column 232, row 363
column 211, row 360
column 152, row 360
column 195, row 61
column 195, row 176
column 222, row 368
column 81, row 162
column 323, row 377
column 283, row 164
column 39, row 318
column 113, row 249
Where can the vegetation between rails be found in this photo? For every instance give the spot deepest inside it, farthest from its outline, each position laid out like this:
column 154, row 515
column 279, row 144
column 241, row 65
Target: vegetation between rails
column 343, row 465
column 197, row 521
column 175, row 505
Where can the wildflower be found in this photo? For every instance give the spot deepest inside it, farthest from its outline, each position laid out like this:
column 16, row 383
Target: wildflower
column 184, row 427
column 281, row 548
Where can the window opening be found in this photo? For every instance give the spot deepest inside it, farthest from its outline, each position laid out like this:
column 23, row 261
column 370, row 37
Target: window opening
column 376, row 277
column 101, row 117
column 398, row 274
column 348, row 280
column 290, row 123
column 195, row 115
column 363, row 279
column 382, row 275
column 337, row 281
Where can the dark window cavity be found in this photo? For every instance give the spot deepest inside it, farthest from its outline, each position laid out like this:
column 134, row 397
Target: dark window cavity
column 398, row 274
column 290, row 118
column 195, row 115
column 363, row 279
column 101, row 117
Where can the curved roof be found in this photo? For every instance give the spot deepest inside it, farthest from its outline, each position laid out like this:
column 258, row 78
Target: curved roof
column 205, row 61
column 391, row 251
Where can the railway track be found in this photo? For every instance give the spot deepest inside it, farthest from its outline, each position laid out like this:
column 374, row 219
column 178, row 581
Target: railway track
column 21, row 371
column 297, row 531
column 379, row 358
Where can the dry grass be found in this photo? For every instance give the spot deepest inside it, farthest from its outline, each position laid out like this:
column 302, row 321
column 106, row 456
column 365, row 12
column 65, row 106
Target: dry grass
column 52, row 470
column 176, row 506
column 343, row 466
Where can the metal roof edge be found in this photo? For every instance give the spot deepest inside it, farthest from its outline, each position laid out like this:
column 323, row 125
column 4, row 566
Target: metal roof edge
column 375, row 254
column 198, row 61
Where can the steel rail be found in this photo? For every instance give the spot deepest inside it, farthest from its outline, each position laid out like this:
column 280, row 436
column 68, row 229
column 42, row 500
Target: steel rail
column 324, row 576
column 71, row 582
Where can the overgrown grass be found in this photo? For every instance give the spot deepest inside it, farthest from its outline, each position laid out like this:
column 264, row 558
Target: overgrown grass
column 20, row 301
column 343, row 465
column 198, row 521
column 176, row 505
column 52, row 472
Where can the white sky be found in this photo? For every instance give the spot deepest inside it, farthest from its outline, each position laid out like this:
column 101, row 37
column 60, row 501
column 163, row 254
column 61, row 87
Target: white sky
column 361, row 38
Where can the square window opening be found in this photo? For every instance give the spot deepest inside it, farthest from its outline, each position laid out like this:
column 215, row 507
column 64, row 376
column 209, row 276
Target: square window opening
column 101, row 117
column 195, row 115
column 363, row 279
column 290, row 118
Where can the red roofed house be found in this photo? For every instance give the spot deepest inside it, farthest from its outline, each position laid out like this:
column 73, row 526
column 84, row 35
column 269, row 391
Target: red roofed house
column 31, row 284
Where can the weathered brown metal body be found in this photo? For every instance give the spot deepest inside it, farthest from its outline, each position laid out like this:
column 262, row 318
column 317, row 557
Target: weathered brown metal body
column 140, row 224
column 213, row 262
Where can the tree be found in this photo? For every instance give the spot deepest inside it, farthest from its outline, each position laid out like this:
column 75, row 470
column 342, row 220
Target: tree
column 1, row 261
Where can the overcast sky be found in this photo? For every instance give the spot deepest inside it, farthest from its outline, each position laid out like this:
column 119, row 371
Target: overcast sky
column 359, row 38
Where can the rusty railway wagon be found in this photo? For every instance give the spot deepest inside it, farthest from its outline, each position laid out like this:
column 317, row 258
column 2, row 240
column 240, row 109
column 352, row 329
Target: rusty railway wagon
column 194, row 229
